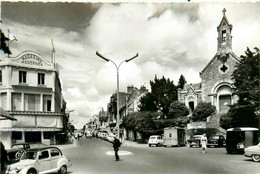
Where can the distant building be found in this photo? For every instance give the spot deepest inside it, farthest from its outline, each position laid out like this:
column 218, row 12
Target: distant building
column 217, row 84
column 30, row 91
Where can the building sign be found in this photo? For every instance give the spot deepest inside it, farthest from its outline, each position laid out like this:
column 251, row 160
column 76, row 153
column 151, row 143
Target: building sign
column 31, row 59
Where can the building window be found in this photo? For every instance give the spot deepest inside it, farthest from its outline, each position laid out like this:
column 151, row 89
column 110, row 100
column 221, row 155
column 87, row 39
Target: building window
column 224, row 36
column 46, row 102
column 32, row 102
column 16, row 101
column 17, row 135
column 22, row 76
column 0, row 76
column 41, row 79
column 3, row 100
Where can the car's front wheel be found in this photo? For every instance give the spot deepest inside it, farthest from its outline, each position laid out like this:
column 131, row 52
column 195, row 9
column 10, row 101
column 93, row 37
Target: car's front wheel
column 32, row 171
column 63, row 169
column 256, row 157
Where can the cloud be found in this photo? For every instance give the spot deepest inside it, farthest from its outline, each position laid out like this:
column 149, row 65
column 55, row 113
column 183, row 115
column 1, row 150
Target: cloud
column 171, row 39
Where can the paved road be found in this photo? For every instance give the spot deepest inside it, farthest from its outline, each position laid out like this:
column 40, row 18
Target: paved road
column 95, row 156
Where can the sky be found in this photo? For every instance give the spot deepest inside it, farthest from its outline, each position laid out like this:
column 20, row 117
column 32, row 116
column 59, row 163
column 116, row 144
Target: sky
column 170, row 38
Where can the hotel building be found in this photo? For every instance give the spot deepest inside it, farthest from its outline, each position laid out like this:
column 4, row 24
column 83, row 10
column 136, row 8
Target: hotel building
column 30, row 91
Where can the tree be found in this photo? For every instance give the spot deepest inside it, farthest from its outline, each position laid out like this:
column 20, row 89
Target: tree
column 177, row 109
column 246, row 81
column 202, row 111
column 147, row 103
column 163, row 92
column 4, row 47
column 182, row 82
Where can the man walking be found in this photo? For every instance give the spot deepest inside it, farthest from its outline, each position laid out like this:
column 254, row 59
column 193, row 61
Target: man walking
column 116, row 145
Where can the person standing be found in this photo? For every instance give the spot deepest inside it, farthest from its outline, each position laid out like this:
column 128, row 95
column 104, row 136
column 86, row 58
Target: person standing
column 116, row 145
column 203, row 142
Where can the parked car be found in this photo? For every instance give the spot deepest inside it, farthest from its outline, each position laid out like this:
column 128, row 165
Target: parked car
column 194, row 141
column 14, row 154
column 155, row 140
column 40, row 160
column 216, row 141
column 253, row 152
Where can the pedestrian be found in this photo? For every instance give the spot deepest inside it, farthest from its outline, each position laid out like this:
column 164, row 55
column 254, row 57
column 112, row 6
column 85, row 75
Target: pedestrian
column 3, row 158
column 116, row 145
column 203, row 142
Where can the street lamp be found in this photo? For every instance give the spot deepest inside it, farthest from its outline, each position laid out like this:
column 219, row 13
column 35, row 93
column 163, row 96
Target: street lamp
column 117, row 70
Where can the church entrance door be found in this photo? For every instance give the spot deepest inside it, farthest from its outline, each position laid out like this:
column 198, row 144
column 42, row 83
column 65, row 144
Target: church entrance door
column 224, row 102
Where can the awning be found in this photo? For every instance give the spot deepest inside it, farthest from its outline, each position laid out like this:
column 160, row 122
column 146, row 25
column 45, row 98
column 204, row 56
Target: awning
column 5, row 116
column 31, row 129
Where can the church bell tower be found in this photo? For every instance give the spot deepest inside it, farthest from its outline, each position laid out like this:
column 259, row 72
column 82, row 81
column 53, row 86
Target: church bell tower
column 224, row 35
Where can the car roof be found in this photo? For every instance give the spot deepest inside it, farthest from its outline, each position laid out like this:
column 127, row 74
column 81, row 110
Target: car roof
column 20, row 144
column 43, row 148
column 243, row 129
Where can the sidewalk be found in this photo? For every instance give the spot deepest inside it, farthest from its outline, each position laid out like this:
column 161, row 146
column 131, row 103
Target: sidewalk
column 68, row 145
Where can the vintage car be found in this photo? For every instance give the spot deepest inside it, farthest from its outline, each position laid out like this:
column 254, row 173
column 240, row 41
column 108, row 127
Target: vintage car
column 40, row 160
column 14, row 154
column 216, row 141
column 155, row 140
column 253, row 152
column 194, row 141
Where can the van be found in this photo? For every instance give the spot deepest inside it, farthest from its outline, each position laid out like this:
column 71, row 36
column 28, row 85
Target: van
column 174, row 136
column 155, row 140
column 241, row 137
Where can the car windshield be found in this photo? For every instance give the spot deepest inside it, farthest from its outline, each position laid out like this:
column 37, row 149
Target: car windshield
column 29, row 155
column 197, row 137
column 215, row 137
column 152, row 137
column 18, row 146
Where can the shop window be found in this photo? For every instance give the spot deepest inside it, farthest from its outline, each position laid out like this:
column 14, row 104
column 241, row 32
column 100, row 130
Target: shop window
column 41, row 79
column 47, row 103
column 32, row 102
column 33, row 137
column 17, row 135
column 22, row 76
column 47, row 135
column 16, row 101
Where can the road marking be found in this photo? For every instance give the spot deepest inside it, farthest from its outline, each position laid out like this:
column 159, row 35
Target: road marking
column 119, row 153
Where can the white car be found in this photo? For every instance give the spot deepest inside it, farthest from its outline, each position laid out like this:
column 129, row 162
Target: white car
column 253, row 152
column 40, row 160
column 155, row 140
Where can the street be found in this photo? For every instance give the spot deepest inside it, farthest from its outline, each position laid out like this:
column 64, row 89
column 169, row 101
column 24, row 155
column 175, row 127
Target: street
column 94, row 156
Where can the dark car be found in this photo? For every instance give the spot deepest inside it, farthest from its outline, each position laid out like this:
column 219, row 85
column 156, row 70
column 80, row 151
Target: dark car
column 216, row 141
column 194, row 141
column 14, row 154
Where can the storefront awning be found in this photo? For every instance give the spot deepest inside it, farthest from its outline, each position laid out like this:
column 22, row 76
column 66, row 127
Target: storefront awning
column 31, row 129
column 5, row 116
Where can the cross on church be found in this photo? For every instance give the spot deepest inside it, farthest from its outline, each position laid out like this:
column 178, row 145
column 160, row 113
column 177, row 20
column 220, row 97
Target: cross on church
column 223, row 68
column 224, row 11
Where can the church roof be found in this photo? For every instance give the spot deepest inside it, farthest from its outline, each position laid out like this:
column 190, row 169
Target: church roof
column 233, row 55
column 196, row 86
column 224, row 19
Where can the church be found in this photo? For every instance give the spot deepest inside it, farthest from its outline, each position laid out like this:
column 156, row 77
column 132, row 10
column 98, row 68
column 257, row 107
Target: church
column 216, row 86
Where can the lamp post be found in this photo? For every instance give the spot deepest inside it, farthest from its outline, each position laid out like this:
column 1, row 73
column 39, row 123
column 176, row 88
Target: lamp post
column 117, row 92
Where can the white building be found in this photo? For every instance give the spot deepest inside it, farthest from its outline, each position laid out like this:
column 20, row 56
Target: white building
column 30, row 91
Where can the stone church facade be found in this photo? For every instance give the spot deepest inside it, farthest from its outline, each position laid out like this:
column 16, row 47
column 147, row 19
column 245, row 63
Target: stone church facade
column 216, row 84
